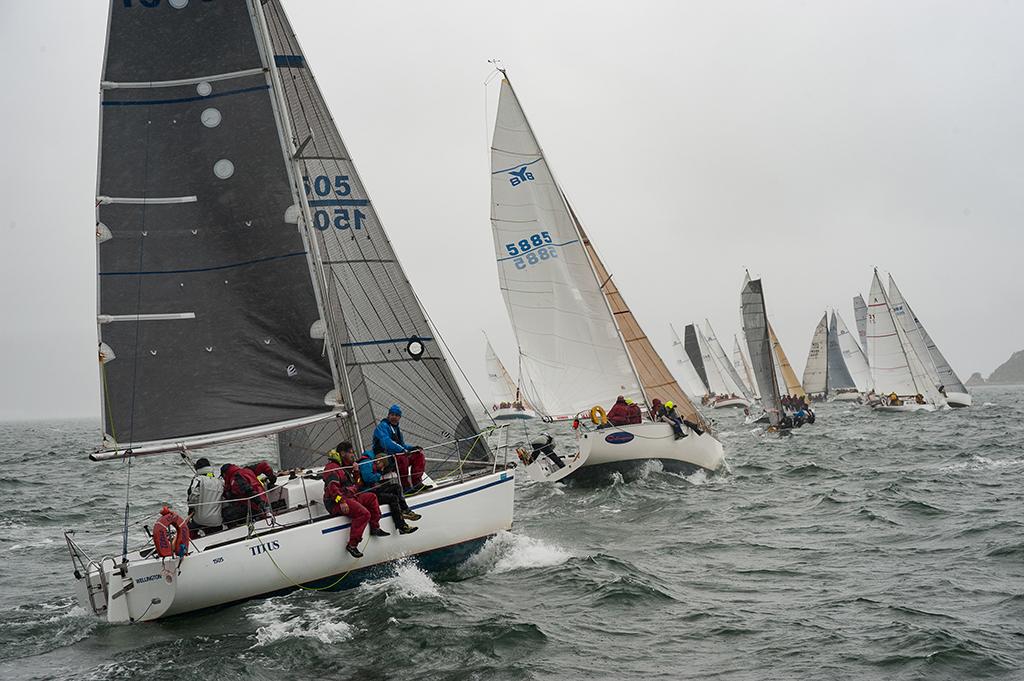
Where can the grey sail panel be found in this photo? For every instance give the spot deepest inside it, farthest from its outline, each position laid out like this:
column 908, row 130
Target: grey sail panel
column 755, row 328
column 860, row 314
column 192, row 193
column 839, row 377
column 692, row 347
column 371, row 308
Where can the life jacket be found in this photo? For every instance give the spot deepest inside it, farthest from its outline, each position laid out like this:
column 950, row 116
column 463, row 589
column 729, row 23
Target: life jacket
column 242, row 484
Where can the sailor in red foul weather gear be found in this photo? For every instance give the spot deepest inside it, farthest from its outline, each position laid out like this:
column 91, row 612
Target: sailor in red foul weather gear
column 243, row 485
column 342, row 497
column 633, row 412
column 264, row 473
column 618, row 415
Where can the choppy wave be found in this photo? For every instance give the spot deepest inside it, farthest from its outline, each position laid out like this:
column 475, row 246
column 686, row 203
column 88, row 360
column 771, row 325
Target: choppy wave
column 279, row 619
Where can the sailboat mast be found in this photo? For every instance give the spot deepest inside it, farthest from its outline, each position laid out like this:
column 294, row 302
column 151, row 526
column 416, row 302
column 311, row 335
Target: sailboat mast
column 585, row 240
column 313, row 258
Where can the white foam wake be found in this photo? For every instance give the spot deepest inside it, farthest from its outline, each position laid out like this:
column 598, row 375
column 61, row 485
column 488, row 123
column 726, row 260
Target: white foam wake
column 506, row 552
column 315, row 619
column 407, row 580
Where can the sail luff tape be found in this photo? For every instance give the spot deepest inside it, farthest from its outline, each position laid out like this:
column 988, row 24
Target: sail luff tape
column 112, row 85
column 148, row 201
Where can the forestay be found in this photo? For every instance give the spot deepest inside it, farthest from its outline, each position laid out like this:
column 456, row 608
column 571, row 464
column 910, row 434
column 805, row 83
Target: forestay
column 853, row 355
column 755, row 329
column 206, row 298
column 816, row 370
column 377, row 327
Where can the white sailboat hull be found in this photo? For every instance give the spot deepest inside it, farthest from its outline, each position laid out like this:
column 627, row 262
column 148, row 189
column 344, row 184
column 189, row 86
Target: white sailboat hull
column 456, row 519
column 735, row 402
column 959, row 400
column 511, row 414
column 845, row 397
column 646, row 441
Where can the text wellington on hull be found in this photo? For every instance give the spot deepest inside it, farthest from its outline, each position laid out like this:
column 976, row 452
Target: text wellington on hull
column 260, row 317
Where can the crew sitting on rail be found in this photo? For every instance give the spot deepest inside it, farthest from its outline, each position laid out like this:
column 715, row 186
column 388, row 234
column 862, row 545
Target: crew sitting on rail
column 618, row 415
column 919, row 398
column 204, row 499
column 343, row 497
column 669, row 415
column 894, row 400
column 264, row 473
column 387, row 491
column 242, row 485
column 387, row 439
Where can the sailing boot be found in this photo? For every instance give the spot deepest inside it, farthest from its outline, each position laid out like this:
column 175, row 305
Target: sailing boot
column 354, row 551
column 377, row 532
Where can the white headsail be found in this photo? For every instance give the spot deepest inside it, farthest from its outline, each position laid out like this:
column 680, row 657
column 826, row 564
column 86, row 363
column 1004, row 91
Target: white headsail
column 692, row 382
column 732, row 378
column 934, row 361
column 503, row 387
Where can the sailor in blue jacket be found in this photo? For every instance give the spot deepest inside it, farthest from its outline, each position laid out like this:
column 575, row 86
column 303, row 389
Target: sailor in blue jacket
column 388, row 441
column 387, row 491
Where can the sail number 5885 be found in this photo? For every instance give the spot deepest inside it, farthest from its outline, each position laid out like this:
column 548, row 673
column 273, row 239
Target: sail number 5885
column 529, row 243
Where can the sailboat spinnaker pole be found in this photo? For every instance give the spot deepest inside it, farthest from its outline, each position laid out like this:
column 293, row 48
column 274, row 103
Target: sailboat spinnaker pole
column 290, row 148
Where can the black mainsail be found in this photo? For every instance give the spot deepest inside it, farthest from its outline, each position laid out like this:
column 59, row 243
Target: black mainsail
column 692, row 347
column 246, row 283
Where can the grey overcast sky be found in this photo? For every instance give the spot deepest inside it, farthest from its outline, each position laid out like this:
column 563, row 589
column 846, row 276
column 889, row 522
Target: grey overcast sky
column 807, row 141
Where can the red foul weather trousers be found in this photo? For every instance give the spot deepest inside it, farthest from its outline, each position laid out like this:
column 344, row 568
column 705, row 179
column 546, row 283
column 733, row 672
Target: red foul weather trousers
column 417, row 461
column 362, row 509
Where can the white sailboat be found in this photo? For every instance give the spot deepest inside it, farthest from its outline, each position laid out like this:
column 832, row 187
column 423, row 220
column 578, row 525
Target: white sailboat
column 735, row 393
column 896, row 368
column 935, row 363
column 762, row 356
column 826, row 374
column 580, row 344
column 509, row 402
column 815, row 379
column 841, row 385
column 236, row 302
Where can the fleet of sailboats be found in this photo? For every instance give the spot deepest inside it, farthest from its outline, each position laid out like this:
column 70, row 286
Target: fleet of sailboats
column 247, row 289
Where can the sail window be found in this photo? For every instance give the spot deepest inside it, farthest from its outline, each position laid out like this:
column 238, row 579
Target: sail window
column 204, row 89
column 223, row 169
column 178, row 4
column 210, row 117
column 415, row 348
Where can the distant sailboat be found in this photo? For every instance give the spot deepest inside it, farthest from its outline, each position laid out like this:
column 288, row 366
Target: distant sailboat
column 790, row 382
column 896, row 368
column 692, row 383
column 935, row 363
column 580, row 344
column 825, row 373
column 509, row 402
column 762, row 356
column 693, row 350
column 860, row 316
column 247, row 288
column 734, row 394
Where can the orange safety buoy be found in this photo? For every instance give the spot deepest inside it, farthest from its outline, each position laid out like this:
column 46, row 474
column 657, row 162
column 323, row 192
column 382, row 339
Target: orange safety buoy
column 162, row 530
column 598, row 415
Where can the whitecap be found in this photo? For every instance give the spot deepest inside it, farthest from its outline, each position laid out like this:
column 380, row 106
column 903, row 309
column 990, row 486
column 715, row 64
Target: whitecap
column 506, row 552
column 407, row 580
column 312, row 619
column 977, row 462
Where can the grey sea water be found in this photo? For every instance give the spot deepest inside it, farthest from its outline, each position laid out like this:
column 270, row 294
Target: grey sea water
column 866, row 547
